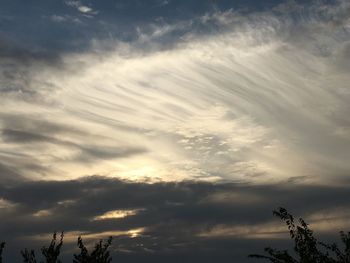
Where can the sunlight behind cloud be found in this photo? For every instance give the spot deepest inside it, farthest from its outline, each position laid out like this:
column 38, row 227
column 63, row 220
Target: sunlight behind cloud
column 116, row 214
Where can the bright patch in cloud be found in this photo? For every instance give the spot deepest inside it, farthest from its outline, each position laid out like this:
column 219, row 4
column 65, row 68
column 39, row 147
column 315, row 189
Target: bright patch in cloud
column 117, row 214
column 81, row 8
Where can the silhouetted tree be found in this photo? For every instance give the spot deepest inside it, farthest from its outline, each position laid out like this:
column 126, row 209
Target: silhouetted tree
column 28, row 256
column 306, row 247
column 343, row 257
column 100, row 254
column 52, row 252
column 2, row 245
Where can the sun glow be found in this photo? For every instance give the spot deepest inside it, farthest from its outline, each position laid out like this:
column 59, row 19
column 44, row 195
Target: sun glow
column 117, row 214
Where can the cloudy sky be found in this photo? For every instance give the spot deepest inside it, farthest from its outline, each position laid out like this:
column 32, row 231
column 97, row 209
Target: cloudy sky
column 176, row 126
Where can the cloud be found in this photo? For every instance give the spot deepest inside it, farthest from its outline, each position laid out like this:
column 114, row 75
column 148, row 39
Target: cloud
column 65, row 19
column 19, row 67
column 58, row 18
column 248, row 102
column 170, row 216
column 35, row 136
column 8, row 175
column 81, row 8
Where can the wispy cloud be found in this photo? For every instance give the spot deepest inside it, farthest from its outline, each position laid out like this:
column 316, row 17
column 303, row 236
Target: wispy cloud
column 264, row 98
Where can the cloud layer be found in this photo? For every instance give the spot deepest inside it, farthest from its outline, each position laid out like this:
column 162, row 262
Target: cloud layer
column 166, row 220
column 264, row 98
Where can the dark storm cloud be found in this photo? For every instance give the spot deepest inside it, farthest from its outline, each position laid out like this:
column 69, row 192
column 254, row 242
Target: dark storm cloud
column 98, row 195
column 173, row 214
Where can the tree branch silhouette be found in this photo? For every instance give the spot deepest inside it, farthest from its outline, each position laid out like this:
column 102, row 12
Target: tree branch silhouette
column 2, row 245
column 306, row 247
column 100, row 254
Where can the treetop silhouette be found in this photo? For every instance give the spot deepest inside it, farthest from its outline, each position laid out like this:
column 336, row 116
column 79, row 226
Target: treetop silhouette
column 306, row 247
column 51, row 253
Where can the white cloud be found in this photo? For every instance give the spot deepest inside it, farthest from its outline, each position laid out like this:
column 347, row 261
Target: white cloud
column 81, row 8
column 259, row 101
column 117, row 214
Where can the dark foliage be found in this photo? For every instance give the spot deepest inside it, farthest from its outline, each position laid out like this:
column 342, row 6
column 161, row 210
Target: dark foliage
column 306, row 247
column 2, row 245
column 100, row 254
column 52, row 252
column 28, row 256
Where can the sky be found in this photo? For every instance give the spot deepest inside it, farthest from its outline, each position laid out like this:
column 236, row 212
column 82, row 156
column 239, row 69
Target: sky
column 175, row 126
